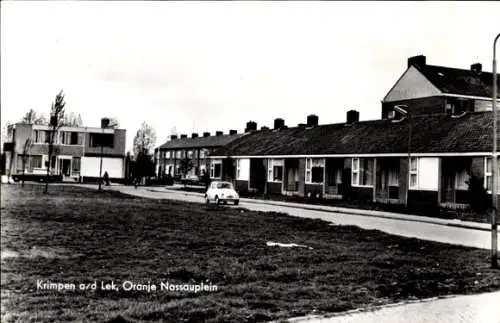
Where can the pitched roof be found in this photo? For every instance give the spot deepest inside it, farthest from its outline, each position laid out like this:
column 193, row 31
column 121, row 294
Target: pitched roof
column 200, row 142
column 430, row 134
column 459, row 81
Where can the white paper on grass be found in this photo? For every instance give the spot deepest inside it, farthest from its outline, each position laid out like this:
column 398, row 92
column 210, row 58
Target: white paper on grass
column 286, row 245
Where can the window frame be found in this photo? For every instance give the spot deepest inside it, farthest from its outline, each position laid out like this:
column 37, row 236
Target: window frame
column 413, row 172
column 488, row 174
column 270, row 169
column 314, row 163
column 238, row 168
column 212, row 169
column 357, row 170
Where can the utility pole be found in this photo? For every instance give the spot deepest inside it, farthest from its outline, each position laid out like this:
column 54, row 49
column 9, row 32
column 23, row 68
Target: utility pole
column 494, row 167
column 105, row 123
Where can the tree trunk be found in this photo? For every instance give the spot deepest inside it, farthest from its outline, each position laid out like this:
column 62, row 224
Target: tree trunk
column 51, row 147
column 24, row 171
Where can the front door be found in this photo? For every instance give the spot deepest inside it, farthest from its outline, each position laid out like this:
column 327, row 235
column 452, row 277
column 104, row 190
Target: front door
column 65, row 167
column 448, row 188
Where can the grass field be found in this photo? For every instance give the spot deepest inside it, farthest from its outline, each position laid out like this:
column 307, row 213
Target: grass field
column 75, row 235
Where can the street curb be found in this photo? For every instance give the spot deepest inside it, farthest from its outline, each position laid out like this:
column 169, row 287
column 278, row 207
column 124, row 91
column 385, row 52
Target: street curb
column 379, row 214
column 374, row 308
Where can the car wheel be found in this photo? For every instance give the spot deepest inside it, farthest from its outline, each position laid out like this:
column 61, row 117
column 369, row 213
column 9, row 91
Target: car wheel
column 217, row 199
column 236, row 202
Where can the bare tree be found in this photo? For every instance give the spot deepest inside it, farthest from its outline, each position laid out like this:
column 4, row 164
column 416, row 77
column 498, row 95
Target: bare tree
column 32, row 117
column 56, row 122
column 72, row 120
column 144, row 140
column 26, row 154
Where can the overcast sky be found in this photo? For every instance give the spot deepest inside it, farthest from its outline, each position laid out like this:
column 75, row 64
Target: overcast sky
column 206, row 66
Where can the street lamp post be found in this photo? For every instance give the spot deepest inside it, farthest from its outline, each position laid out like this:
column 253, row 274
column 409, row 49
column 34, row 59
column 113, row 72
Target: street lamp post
column 403, row 109
column 494, row 170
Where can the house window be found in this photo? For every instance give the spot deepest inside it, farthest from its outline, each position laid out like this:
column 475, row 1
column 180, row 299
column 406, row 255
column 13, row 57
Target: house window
column 41, row 136
column 355, row 171
column 190, row 154
column 179, row 154
column 488, row 176
column 48, row 135
column 216, row 169
column 65, row 138
column 102, row 139
column 167, row 154
column 362, row 172
column 314, row 170
column 275, row 170
column 238, row 169
column 277, row 173
column 74, row 139
column 37, row 136
column 461, row 179
column 36, row 161
column 413, row 172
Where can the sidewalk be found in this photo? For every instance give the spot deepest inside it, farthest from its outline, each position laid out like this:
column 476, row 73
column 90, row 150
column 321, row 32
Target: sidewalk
column 335, row 209
column 480, row 308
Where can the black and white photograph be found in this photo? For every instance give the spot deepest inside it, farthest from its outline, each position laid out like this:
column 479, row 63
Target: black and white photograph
column 250, row 161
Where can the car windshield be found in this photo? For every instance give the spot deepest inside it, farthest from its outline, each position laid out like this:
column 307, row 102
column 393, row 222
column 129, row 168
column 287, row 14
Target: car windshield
column 224, row 185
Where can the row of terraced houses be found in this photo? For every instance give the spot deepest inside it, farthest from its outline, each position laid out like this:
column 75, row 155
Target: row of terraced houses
column 447, row 131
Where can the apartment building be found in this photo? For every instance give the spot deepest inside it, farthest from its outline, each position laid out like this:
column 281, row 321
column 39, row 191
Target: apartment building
column 77, row 152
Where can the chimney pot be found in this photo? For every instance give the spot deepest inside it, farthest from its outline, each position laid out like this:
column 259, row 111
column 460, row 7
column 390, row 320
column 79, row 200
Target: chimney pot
column 206, row 134
column 218, row 133
column 279, row 123
column 477, row 67
column 352, row 116
column 264, row 128
column 417, row 61
column 233, row 132
column 184, row 136
column 172, row 137
column 251, row 126
column 312, row 120
column 194, row 135
column 104, row 122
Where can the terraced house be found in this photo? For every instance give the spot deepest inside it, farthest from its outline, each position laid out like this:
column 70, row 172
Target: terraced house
column 421, row 153
column 77, row 153
column 196, row 149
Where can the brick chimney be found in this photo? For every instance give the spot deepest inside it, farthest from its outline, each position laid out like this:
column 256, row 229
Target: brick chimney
column 352, row 116
column 279, row 123
column 477, row 67
column 417, row 61
column 184, row 136
column 219, row 133
column 233, row 132
column 206, row 134
column 312, row 120
column 194, row 135
column 172, row 137
column 251, row 126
